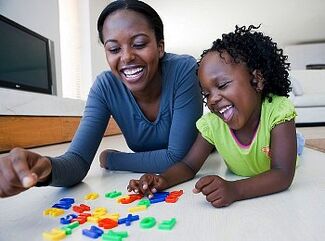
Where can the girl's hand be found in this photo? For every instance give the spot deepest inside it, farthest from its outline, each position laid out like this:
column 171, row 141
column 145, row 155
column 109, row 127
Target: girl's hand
column 22, row 169
column 148, row 184
column 219, row 192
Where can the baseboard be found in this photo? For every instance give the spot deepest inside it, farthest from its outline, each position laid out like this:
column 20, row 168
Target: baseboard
column 35, row 131
column 310, row 124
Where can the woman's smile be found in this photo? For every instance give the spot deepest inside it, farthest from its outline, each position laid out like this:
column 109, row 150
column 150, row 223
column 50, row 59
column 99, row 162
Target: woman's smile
column 132, row 74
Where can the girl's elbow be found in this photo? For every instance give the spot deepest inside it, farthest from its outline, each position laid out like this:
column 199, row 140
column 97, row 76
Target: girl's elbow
column 286, row 182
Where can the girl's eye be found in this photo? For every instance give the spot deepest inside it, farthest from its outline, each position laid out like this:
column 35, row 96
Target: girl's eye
column 223, row 85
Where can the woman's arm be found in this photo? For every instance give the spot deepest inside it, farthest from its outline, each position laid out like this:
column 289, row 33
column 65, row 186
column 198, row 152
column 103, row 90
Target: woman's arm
column 85, row 142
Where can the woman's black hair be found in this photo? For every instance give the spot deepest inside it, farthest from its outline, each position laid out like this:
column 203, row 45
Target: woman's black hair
column 147, row 11
column 258, row 52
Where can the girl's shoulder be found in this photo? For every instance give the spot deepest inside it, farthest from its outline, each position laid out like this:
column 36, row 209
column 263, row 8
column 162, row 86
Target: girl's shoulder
column 209, row 122
column 279, row 110
column 281, row 102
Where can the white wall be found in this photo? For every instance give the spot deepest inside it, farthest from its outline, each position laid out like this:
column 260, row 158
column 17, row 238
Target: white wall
column 83, row 56
column 190, row 27
column 98, row 59
column 75, row 48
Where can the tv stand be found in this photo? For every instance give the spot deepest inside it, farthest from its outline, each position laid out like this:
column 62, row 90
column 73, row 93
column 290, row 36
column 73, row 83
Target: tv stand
column 30, row 120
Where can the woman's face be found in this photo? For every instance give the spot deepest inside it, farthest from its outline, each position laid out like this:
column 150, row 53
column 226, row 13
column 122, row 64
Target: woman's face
column 132, row 51
column 228, row 90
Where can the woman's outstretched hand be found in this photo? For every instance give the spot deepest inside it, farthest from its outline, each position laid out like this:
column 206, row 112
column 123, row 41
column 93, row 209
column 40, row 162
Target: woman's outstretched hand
column 22, row 169
column 219, row 192
column 148, row 184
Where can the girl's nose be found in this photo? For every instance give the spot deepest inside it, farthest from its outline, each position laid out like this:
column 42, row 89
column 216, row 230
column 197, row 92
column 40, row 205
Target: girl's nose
column 215, row 98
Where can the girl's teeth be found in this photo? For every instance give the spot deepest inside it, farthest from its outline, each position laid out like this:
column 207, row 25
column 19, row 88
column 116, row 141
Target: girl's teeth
column 225, row 109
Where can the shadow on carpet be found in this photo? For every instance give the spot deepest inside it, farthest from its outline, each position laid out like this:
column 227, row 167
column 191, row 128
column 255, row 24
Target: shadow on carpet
column 316, row 144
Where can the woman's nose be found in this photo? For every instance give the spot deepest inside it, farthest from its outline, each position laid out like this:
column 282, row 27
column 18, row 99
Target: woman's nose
column 127, row 55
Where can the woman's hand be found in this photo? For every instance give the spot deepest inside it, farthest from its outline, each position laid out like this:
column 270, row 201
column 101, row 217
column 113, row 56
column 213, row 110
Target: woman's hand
column 148, row 184
column 103, row 158
column 22, row 169
column 219, row 192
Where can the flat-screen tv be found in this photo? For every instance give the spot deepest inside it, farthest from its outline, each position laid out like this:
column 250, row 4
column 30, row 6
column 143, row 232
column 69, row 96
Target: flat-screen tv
column 26, row 59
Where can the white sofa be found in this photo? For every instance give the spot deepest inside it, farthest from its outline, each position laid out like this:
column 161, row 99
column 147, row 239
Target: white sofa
column 308, row 96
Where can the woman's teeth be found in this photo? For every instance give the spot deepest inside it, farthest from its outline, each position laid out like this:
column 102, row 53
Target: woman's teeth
column 130, row 73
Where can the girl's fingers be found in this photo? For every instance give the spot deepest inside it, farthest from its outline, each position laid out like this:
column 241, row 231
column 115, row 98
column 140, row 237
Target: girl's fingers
column 133, row 186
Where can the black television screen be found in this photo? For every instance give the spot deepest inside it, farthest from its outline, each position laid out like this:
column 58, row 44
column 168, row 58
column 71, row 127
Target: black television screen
column 25, row 58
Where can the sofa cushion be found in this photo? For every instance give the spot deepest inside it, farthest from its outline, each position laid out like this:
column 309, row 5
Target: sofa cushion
column 309, row 100
column 296, row 87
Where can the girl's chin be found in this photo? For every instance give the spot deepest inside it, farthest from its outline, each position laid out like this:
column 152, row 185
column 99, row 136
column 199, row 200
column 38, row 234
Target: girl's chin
column 232, row 124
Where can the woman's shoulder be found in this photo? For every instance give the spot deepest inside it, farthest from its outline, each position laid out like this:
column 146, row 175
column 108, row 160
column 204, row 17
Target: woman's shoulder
column 174, row 66
column 104, row 76
column 106, row 79
column 178, row 59
column 106, row 83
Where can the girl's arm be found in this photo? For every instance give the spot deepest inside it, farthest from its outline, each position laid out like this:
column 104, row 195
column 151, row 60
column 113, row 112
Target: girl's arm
column 280, row 176
column 220, row 192
column 190, row 165
column 178, row 173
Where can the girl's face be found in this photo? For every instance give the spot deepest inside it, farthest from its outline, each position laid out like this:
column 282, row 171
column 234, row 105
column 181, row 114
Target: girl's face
column 228, row 90
column 132, row 51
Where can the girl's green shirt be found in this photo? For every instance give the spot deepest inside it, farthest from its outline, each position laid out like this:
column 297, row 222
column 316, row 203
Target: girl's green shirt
column 255, row 158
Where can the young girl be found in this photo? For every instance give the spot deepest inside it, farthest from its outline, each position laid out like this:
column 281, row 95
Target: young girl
column 244, row 81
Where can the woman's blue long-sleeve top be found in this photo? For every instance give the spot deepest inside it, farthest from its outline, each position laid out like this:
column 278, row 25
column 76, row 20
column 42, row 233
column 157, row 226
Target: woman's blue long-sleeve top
column 156, row 145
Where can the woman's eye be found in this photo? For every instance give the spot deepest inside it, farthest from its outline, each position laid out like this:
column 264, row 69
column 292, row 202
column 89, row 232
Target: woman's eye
column 139, row 45
column 114, row 50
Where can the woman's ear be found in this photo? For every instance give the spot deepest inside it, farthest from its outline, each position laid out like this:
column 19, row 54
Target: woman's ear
column 161, row 48
column 258, row 80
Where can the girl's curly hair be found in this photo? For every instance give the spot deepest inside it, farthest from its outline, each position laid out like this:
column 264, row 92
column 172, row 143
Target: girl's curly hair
column 259, row 52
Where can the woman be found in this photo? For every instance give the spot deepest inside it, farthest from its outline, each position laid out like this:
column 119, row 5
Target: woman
column 153, row 96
